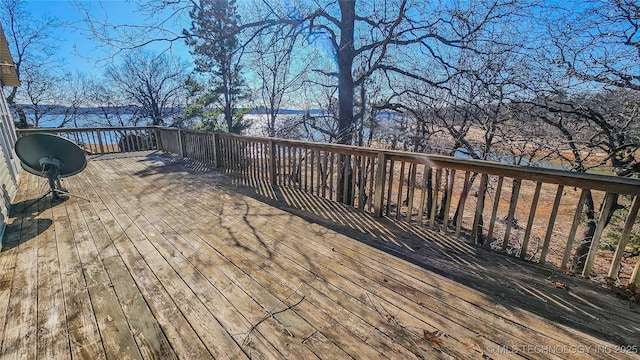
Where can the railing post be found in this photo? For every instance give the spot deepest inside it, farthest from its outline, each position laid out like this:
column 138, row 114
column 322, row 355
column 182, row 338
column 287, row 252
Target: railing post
column 379, row 191
column 158, row 146
column 100, row 141
column 272, row 162
column 217, row 154
column 180, row 144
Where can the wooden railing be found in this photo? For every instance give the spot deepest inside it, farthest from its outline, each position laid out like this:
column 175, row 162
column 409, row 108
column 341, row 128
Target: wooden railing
column 532, row 213
column 105, row 140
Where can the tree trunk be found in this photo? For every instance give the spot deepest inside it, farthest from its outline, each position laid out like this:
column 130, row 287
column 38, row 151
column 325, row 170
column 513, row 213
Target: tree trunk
column 22, row 117
column 582, row 251
column 445, row 195
column 346, row 54
column 458, row 207
column 429, row 191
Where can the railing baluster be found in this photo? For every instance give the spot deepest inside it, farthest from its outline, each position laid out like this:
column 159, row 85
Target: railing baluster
column 515, row 192
column 372, row 166
column 345, row 166
column 254, row 162
column 447, row 201
column 330, row 175
column 476, row 228
column 423, row 194
column 325, row 176
column 313, row 158
column 138, row 139
column 624, row 237
column 389, row 187
column 379, row 191
column 400, row 189
column 574, row 229
column 101, row 146
column 282, row 169
column 319, row 160
column 462, row 203
column 217, row 151
column 532, row 215
column 434, row 203
column 290, row 166
column 635, row 276
column 354, row 177
column 362, row 188
column 228, row 155
column 412, row 189
column 595, row 241
column 550, row 226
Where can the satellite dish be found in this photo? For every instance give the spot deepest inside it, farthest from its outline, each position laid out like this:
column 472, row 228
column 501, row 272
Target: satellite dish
column 52, row 157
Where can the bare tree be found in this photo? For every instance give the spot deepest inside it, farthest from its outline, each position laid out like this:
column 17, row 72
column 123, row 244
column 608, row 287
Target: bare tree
column 75, row 95
column 601, row 43
column 154, row 84
column 596, row 130
column 110, row 105
column 585, row 91
column 273, row 57
column 32, row 48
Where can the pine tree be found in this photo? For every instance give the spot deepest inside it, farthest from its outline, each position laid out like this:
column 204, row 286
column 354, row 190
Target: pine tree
column 215, row 46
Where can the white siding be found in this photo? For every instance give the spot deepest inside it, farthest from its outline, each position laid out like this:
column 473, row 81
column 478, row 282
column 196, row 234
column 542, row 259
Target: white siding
column 8, row 162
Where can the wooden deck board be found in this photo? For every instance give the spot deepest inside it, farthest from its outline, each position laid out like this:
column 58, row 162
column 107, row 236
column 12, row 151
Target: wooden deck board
column 21, row 322
column 171, row 260
column 52, row 337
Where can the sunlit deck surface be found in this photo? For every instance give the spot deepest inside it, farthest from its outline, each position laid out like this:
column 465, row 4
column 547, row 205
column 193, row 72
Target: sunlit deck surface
column 171, row 259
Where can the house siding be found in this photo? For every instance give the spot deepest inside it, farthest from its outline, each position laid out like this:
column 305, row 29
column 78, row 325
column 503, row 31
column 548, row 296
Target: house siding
column 9, row 171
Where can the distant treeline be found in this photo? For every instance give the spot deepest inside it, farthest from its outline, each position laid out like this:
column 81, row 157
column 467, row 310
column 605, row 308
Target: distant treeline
column 132, row 109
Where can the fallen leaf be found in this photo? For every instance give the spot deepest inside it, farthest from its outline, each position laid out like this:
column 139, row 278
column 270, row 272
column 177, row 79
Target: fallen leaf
column 468, row 343
column 559, row 285
column 433, row 338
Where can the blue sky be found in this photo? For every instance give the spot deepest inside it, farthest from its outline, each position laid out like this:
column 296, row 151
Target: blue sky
column 79, row 51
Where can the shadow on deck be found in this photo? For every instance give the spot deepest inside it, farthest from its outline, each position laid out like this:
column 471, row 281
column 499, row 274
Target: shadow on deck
column 507, row 281
column 172, row 259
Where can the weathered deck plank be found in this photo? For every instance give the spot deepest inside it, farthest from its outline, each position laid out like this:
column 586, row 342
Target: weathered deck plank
column 483, row 323
column 131, row 279
column 167, row 261
column 20, row 336
column 52, row 336
column 8, row 260
column 81, row 318
column 239, row 240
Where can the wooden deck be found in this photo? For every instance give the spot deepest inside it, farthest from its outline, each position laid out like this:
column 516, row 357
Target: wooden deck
column 170, row 259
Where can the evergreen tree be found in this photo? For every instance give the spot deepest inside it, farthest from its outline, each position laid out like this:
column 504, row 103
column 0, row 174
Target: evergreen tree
column 214, row 44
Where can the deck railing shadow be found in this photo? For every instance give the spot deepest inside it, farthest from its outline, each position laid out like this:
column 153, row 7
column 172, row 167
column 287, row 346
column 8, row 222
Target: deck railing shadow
column 516, row 285
column 530, row 213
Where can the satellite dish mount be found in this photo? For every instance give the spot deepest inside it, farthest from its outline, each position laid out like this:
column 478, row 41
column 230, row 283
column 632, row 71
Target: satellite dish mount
column 51, row 170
